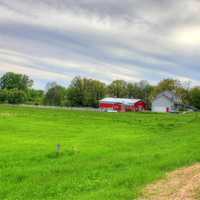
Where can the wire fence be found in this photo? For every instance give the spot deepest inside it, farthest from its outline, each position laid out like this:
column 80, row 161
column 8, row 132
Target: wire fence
column 60, row 107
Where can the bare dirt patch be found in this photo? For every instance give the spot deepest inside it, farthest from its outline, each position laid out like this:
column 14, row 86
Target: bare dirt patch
column 182, row 184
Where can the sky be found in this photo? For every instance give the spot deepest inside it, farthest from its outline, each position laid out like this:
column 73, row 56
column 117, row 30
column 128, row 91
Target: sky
column 133, row 40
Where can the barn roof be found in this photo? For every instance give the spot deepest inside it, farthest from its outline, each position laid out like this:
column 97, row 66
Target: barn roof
column 171, row 96
column 120, row 100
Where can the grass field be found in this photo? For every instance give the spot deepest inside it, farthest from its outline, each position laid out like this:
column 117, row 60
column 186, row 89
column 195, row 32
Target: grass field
column 105, row 156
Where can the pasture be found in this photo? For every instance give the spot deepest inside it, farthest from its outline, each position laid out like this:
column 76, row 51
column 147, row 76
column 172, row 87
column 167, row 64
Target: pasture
column 104, row 156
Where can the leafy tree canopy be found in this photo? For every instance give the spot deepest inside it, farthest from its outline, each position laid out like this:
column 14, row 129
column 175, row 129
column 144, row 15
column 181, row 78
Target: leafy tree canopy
column 195, row 97
column 118, row 88
column 180, row 88
column 55, row 96
column 12, row 80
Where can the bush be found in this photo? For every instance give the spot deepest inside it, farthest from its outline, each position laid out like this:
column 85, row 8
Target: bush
column 16, row 96
column 35, row 97
column 55, row 96
column 195, row 97
column 3, row 96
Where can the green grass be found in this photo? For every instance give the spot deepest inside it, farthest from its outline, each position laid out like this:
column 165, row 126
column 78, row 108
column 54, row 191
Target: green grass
column 105, row 156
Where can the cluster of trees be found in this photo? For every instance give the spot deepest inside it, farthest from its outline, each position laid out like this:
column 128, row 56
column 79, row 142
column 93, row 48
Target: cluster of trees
column 17, row 89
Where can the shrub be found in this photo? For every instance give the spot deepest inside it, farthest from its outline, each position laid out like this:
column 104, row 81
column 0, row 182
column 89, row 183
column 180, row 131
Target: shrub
column 35, row 97
column 16, row 96
column 3, row 96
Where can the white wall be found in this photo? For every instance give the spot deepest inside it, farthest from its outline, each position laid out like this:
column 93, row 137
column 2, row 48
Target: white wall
column 161, row 104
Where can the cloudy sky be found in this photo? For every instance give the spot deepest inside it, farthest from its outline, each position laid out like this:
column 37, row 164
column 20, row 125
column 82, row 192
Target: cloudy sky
column 55, row 40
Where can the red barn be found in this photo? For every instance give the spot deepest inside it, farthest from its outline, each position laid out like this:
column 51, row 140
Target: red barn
column 122, row 105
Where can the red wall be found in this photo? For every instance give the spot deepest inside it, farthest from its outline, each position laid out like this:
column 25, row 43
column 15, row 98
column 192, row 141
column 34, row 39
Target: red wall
column 140, row 105
column 114, row 106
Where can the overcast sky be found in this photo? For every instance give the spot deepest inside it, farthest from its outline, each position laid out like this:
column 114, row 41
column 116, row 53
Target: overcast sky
column 55, row 40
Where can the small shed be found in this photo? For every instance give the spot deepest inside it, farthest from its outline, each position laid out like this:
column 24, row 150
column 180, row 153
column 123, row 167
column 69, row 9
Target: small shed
column 122, row 105
column 166, row 101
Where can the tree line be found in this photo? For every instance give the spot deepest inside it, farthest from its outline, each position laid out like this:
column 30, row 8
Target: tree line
column 84, row 92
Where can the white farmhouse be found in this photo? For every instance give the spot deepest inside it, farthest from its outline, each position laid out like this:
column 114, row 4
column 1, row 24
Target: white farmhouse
column 166, row 102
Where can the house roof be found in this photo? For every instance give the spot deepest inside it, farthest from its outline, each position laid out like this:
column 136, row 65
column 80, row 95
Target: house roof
column 171, row 96
column 120, row 100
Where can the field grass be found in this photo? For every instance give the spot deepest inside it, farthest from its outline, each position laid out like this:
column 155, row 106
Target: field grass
column 105, row 156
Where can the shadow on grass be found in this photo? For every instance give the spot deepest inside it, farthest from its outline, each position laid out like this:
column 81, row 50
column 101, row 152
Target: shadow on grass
column 56, row 155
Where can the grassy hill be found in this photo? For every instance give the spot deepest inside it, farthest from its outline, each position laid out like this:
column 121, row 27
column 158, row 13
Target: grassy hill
column 105, row 156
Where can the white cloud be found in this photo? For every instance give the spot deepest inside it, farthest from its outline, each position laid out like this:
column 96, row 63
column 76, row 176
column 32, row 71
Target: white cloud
column 129, row 40
column 187, row 36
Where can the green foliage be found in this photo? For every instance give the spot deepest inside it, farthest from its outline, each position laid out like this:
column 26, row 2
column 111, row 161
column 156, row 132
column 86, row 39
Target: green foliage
column 93, row 91
column 165, row 85
column 3, row 96
column 85, row 92
column 195, row 97
column 104, row 156
column 12, row 96
column 122, row 89
column 55, row 96
column 133, row 91
column 76, row 92
column 141, row 90
column 118, row 88
column 35, row 97
column 12, row 80
column 14, row 88
column 180, row 88
column 16, row 96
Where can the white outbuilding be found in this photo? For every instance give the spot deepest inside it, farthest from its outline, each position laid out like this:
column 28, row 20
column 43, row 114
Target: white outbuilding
column 166, row 101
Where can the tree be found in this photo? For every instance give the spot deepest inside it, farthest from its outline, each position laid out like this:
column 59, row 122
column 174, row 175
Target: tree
column 100, row 91
column 140, row 90
column 11, row 80
column 85, row 92
column 3, row 96
column 195, row 97
column 55, row 96
column 35, row 96
column 118, row 88
column 166, row 84
column 145, row 92
column 75, row 94
column 133, row 90
column 172, row 85
column 93, row 91
column 50, row 85
column 16, row 96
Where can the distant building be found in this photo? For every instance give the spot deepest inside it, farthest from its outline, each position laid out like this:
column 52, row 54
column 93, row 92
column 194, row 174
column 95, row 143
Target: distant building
column 122, row 105
column 166, row 102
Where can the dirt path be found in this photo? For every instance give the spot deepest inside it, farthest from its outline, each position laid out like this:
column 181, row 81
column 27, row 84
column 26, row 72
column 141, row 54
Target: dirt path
column 182, row 184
